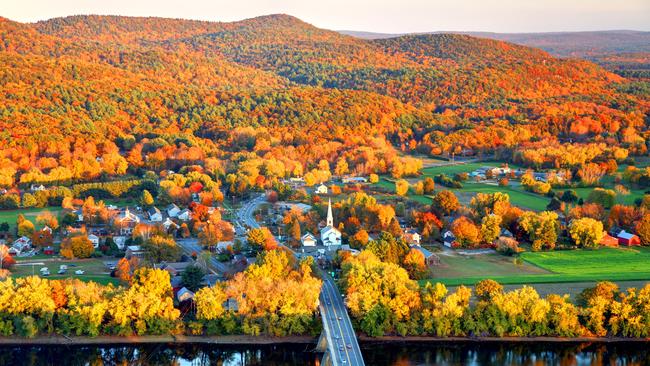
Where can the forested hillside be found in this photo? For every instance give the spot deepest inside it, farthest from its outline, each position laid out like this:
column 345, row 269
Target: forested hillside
column 90, row 96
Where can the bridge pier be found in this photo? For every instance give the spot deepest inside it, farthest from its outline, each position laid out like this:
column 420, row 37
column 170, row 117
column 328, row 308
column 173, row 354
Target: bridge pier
column 321, row 346
column 326, row 360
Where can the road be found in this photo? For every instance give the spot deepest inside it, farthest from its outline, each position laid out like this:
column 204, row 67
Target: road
column 341, row 338
column 191, row 245
column 336, row 322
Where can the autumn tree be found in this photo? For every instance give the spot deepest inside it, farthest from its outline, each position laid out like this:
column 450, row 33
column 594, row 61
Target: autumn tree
column 542, row 228
column 146, row 199
column 643, row 229
column 46, row 218
column 445, row 202
column 261, row 239
column 586, row 232
column 466, row 232
column 77, row 246
column 401, row 187
column 414, row 263
column 490, row 227
column 161, row 248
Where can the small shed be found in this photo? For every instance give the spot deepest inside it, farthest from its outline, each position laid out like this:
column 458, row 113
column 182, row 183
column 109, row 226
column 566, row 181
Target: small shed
column 608, row 241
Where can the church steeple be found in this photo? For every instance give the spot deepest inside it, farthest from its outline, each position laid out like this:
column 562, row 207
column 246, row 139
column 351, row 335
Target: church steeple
column 330, row 217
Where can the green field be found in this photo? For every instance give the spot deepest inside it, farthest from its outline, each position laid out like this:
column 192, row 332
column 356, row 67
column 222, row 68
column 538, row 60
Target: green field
column 581, row 265
column 95, row 270
column 10, row 216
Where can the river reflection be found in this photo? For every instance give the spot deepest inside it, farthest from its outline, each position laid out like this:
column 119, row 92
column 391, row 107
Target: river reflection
column 465, row 353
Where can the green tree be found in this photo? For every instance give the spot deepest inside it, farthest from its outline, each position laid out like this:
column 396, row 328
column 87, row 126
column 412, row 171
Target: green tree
column 193, row 277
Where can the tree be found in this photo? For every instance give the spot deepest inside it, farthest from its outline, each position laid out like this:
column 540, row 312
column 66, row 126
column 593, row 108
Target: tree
column 603, row 197
column 643, row 229
column 161, row 248
column 209, row 302
column 359, row 239
column 490, row 227
column 261, row 239
column 429, row 185
column 586, row 232
column 193, row 277
column 48, row 219
column 542, row 228
column 414, row 263
column 445, row 202
column 123, row 270
column 77, row 246
column 569, row 196
column 26, row 228
column 487, row 289
column 374, row 178
column 466, row 232
column 29, row 200
column 146, row 199
column 5, row 258
column 401, row 187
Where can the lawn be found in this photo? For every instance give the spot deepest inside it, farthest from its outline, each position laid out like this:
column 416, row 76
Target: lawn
column 95, row 270
column 627, row 199
column 10, row 216
column 518, row 196
column 554, row 267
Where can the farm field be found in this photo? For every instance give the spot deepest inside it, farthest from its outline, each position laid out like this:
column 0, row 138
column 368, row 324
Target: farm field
column 552, row 267
column 10, row 216
column 95, row 270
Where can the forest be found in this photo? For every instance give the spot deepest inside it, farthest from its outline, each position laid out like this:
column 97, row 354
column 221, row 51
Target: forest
column 89, row 98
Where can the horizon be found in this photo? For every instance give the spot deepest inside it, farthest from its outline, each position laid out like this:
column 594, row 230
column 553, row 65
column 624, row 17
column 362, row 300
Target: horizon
column 416, row 16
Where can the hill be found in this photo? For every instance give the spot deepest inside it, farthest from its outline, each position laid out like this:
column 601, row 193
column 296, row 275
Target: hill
column 277, row 89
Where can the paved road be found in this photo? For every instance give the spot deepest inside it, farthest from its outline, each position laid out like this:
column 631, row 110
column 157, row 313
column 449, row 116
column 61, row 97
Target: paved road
column 338, row 327
column 341, row 338
column 191, row 245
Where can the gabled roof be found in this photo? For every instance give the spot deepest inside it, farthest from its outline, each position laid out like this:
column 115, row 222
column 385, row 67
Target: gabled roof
column 327, row 229
column 308, row 235
column 625, row 235
column 153, row 211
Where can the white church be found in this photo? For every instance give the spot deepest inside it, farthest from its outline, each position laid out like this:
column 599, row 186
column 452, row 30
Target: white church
column 329, row 235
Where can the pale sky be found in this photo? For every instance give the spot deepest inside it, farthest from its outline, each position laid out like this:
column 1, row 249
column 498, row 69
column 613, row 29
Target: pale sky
column 387, row 16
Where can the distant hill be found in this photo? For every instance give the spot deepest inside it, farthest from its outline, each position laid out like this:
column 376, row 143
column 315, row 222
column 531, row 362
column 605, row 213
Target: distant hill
column 562, row 44
column 281, row 87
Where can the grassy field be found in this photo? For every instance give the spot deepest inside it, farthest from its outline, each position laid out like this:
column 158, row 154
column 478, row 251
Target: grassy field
column 95, row 270
column 548, row 267
column 10, row 216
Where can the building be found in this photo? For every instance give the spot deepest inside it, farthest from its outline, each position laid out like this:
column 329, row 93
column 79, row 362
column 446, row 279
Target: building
column 608, row 241
column 120, row 241
column 94, row 239
column 430, row 259
column 321, row 189
column 628, row 239
column 348, row 180
column 184, row 295
column 329, row 235
column 154, row 214
column 126, row 221
column 448, row 239
column 308, row 240
column 134, row 251
column 412, row 236
column 185, row 215
column 168, row 225
column 37, row 187
column 172, row 210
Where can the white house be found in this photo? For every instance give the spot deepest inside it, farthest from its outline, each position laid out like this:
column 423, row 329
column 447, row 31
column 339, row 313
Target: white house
column 169, row 224
column 412, row 236
column 172, row 210
column 37, row 187
column 119, row 241
column 308, row 240
column 154, row 214
column 134, row 251
column 448, row 238
column 94, row 239
column 185, row 215
column 329, row 235
column 126, row 221
column 184, row 295
column 321, row 189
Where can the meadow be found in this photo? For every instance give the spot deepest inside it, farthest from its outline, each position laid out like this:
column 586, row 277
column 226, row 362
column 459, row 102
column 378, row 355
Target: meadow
column 94, row 269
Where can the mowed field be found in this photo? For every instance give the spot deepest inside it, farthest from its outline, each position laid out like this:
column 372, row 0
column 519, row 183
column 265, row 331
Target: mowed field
column 94, row 269
column 613, row 264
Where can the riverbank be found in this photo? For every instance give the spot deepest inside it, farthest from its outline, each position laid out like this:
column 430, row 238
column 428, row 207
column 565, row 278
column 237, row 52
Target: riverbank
column 267, row 340
column 414, row 339
column 170, row 339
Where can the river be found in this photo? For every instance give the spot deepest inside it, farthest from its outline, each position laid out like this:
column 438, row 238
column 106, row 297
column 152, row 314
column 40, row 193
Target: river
column 459, row 353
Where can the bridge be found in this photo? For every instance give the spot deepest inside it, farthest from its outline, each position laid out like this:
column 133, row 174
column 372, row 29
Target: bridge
column 338, row 340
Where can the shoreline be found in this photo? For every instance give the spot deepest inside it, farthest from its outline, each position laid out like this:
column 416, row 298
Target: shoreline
column 245, row 340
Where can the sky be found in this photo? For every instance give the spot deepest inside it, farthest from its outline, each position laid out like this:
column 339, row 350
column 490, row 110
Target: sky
column 384, row 16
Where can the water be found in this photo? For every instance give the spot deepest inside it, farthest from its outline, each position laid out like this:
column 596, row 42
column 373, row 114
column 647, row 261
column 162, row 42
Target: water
column 460, row 353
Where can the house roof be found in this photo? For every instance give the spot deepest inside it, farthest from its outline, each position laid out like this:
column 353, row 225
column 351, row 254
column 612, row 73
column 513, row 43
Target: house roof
column 327, row 229
column 171, row 207
column 625, row 235
column 153, row 210
column 424, row 251
column 308, row 235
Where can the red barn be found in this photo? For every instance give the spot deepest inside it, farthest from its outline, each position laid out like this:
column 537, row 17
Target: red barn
column 628, row 239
